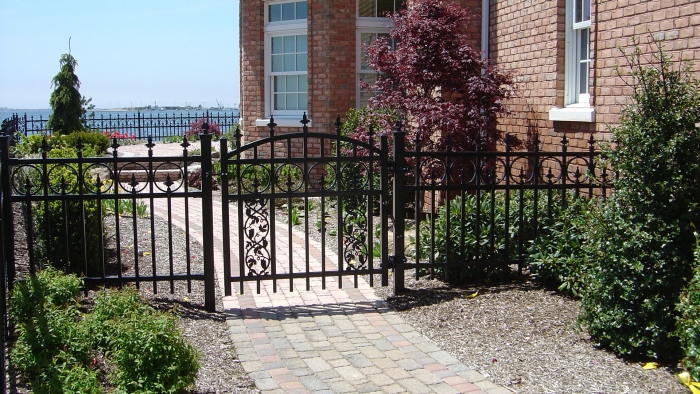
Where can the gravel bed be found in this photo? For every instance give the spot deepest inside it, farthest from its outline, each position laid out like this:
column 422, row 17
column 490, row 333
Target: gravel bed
column 519, row 335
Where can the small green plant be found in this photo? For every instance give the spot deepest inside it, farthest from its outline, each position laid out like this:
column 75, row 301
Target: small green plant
column 143, row 349
column 150, row 355
column 52, row 348
column 172, row 139
column 294, row 218
column 688, row 330
column 125, row 207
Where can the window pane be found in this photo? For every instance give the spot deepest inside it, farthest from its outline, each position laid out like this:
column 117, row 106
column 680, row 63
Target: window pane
column 586, row 10
column 289, row 44
column 288, row 12
column 578, row 7
column 290, row 62
column 301, row 43
column 367, row 8
column 275, row 12
column 400, row 5
column 277, row 63
column 303, row 83
column 292, row 103
column 583, row 83
column 301, row 62
column 292, row 83
column 279, row 102
column 279, row 84
column 384, row 7
column 303, row 102
column 277, row 46
column 583, row 45
column 301, row 10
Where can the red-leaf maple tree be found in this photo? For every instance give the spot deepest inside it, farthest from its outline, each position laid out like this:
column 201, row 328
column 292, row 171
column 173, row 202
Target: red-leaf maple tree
column 437, row 83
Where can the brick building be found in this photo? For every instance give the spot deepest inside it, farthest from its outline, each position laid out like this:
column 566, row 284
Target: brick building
column 304, row 56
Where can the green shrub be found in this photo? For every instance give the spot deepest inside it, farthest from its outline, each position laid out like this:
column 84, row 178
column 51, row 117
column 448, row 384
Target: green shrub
column 151, row 356
column 51, row 343
column 94, row 142
column 489, row 242
column 555, row 256
column 641, row 242
column 54, row 248
column 144, row 349
column 689, row 322
column 110, row 307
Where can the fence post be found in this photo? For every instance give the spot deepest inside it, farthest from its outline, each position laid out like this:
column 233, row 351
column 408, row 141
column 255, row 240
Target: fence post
column 399, row 207
column 7, row 253
column 138, row 123
column 207, row 221
column 384, row 207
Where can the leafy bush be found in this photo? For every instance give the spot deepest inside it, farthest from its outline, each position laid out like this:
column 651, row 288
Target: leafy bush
column 110, row 307
column 147, row 349
column 91, row 140
column 52, row 346
column 689, row 322
column 555, row 256
column 642, row 240
column 94, row 143
column 151, row 355
column 465, row 242
column 58, row 244
column 144, row 350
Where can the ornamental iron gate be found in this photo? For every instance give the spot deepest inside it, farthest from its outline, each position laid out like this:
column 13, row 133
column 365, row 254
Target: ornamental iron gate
column 321, row 182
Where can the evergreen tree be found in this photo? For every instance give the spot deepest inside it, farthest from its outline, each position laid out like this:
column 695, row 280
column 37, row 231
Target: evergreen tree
column 66, row 101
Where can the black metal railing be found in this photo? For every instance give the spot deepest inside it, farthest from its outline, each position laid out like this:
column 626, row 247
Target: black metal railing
column 484, row 208
column 137, row 125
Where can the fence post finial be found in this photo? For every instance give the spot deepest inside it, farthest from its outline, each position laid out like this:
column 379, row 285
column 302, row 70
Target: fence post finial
column 272, row 125
column 337, row 124
column 305, row 122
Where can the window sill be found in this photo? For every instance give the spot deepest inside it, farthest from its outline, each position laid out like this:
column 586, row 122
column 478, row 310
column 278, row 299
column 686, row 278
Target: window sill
column 282, row 122
column 573, row 114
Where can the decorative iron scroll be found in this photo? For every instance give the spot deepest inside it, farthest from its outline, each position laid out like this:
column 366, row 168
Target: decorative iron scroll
column 256, row 231
column 355, row 233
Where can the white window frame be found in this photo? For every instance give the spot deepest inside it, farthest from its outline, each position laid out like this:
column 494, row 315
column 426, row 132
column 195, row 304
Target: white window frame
column 577, row 106
column 366, row 24
column 358, row 61
column 277, row 29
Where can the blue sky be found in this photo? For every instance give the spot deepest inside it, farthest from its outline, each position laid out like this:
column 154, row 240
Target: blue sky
column 129, row 52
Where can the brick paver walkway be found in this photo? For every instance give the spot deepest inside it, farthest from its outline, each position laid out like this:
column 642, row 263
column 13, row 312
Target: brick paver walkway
column 323, row 340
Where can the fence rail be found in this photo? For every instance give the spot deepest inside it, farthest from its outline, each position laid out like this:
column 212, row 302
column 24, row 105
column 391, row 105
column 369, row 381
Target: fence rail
column 139, row 125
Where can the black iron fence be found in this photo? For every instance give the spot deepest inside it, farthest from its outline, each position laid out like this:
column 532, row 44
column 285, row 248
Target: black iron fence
column 137, row 125
column 474, row 210
column 480, row 211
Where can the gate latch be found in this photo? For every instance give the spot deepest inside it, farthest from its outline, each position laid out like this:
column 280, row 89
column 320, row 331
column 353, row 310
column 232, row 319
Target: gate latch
column 391, row 263
column 393, row 168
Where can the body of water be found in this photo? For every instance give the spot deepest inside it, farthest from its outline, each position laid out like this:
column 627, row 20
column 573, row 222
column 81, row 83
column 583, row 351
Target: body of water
column 45, row 113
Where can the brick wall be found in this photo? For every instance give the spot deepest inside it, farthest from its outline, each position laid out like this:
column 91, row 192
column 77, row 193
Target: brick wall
column 252, row 44
column 331, row 65
column 677, row 22
column 527, row 37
